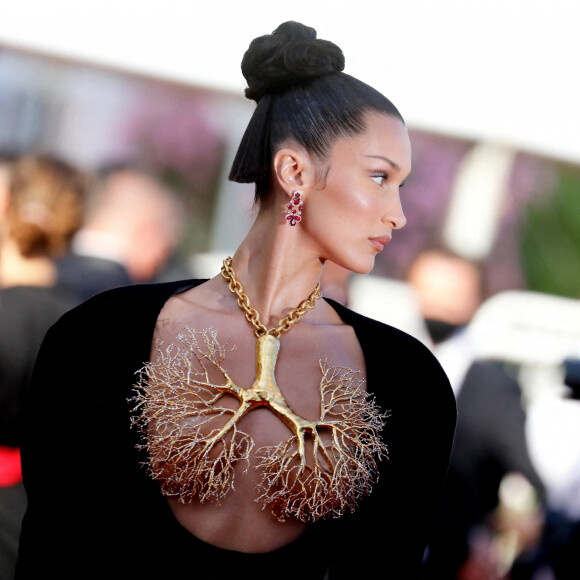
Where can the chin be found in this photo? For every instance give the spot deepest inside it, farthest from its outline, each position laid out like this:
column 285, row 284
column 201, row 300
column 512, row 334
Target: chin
column 361, row 266
column 367, row 270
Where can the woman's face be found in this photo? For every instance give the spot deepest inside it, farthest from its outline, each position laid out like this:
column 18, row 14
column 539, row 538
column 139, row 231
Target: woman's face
column 351, row 214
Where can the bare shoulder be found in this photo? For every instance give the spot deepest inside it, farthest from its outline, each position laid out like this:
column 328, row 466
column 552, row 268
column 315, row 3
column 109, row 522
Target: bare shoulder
column 206, row 296
column 200, row 307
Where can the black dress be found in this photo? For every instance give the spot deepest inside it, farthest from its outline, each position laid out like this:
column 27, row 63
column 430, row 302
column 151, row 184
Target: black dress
column 94, row 512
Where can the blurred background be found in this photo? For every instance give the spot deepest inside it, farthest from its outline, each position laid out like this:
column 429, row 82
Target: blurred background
column 146, row 101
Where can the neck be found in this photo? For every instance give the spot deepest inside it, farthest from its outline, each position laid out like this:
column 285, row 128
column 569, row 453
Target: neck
column 16, row 270
column 275, row 268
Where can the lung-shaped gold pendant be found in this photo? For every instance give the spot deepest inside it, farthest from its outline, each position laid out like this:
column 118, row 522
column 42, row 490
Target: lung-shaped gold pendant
column 194, row 440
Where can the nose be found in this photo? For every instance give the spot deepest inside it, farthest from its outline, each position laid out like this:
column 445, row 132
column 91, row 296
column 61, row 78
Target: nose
column 394, row 214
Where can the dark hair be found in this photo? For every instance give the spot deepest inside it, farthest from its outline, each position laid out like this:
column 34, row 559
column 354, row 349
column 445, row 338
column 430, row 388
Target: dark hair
column 301, row 94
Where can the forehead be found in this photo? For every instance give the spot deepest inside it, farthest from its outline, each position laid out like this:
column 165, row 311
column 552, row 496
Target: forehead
column 385, row 136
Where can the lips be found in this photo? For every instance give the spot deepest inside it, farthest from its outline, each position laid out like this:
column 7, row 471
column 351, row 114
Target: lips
column 380, row 242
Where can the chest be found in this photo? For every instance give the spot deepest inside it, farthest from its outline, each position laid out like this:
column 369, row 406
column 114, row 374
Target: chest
column 304, row 429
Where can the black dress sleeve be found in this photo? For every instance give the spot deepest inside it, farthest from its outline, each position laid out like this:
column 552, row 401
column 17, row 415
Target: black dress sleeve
column 89, row 500
column 68, row 458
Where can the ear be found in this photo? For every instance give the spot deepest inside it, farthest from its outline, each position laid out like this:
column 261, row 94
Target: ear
column 293, row 169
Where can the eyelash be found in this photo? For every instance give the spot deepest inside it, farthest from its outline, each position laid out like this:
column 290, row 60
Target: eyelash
column 382, row 176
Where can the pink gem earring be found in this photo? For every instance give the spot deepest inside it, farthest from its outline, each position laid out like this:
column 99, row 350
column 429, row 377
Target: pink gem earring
column 295, row 207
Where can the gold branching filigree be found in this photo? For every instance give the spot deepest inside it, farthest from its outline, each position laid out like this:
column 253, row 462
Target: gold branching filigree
column 194, row 439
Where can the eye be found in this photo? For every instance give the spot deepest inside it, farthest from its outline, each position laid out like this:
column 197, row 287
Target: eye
column 379, row 178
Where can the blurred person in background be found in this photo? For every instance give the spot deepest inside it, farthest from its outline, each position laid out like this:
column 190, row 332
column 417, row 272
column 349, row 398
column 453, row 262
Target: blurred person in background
column 132, row 225
column 40, row 210
column 449, row 289
column 553, row 431
column 490, row 443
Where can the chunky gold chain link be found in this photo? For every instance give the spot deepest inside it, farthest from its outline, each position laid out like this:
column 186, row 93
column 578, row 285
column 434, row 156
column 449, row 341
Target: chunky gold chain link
column 252, row 315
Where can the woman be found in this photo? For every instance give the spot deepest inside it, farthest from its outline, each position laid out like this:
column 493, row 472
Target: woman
column 40, row 209
column 258, row 450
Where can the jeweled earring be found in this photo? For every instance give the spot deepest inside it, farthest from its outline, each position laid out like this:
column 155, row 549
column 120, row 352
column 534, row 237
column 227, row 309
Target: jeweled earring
column 295, row 207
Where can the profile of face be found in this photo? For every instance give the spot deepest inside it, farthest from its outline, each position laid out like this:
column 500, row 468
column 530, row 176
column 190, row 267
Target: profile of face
column 351, row 213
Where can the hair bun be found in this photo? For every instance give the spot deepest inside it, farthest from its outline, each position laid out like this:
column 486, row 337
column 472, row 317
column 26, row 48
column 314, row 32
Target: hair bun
column 288, row 56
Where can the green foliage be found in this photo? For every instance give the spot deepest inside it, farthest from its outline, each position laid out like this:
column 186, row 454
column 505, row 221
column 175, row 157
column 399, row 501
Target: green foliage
column 550, row 239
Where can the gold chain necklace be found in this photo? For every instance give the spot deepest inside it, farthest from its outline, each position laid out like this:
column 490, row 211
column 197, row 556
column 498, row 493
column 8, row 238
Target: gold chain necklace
column 252, row 315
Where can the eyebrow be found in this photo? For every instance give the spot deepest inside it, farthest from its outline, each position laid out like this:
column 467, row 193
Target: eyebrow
column 389, row 161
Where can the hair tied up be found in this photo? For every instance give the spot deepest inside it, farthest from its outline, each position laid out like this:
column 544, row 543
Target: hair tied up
column 289, row 56
column 303, row 96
